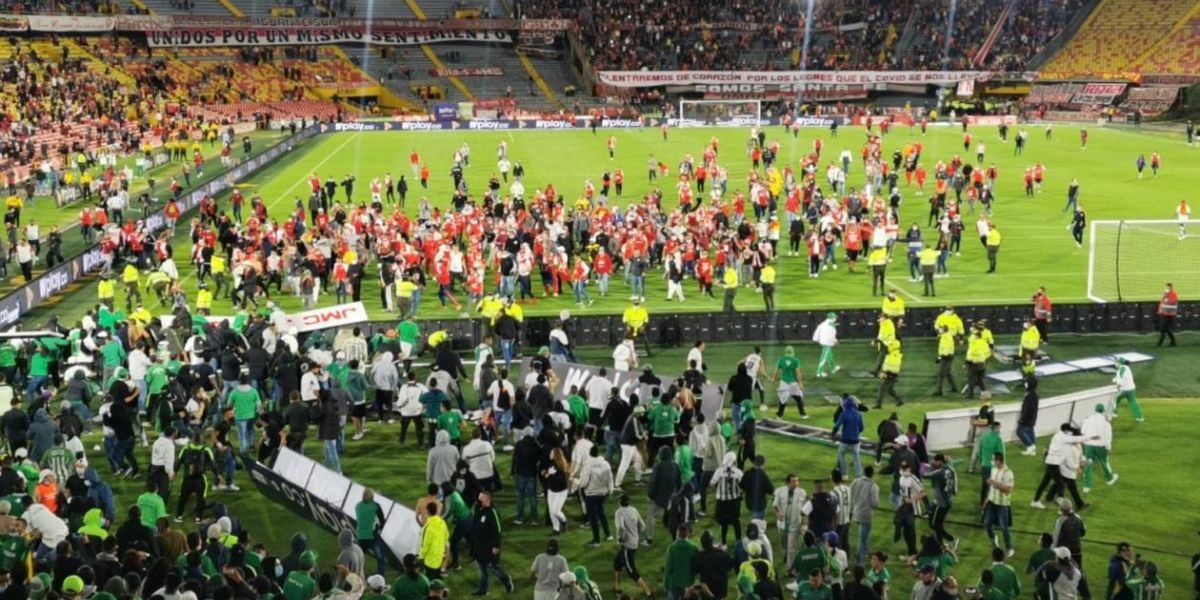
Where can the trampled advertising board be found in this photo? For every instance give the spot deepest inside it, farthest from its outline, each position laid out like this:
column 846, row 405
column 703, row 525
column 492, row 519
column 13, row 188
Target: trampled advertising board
column 315, row 493
column 712, row 398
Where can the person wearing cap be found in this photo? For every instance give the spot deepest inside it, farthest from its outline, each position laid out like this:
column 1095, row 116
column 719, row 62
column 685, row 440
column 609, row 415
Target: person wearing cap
column 1062, row 577
column 825, row 335
column 300, row 584
column 1126, row 390
column 927, row 583
column 1069, row 530
column 377, row 589
column 72, row 586
column 789, row 382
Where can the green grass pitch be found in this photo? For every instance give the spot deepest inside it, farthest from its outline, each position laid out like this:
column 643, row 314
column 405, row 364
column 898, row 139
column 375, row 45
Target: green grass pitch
column 1037, row 250
column 1149, row 507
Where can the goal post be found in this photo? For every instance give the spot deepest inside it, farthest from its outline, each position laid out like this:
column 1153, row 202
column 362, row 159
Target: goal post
column 720, row 112
column 1131, row 261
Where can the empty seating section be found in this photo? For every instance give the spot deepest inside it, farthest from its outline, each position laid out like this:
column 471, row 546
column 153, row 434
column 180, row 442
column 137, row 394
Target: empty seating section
column 187, row 7
column 1179, row 54
column 1118, row 33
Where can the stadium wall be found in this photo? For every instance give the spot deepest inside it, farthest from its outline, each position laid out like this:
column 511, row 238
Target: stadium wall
column 56, row 280
column 683, row 329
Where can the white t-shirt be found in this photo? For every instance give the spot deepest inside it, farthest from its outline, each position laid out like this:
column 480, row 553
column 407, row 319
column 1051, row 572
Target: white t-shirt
column 694, row 355
column 623, row 357
column 753, row 362
column 598, row 389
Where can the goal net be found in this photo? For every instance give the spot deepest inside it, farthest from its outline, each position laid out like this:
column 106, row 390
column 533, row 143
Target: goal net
column 1130, row 261
column 721, row 112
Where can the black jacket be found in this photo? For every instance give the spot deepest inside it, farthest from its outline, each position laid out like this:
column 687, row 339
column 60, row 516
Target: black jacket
column 330, row 424
column 485, row 535
column 525, row 457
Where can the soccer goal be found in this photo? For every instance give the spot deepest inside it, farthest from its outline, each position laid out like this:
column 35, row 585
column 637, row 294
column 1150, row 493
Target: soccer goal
column 1130, row 261
column 721, row 112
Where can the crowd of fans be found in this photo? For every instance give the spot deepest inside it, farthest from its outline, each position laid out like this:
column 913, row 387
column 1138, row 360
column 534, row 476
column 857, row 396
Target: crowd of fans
column 628, row 35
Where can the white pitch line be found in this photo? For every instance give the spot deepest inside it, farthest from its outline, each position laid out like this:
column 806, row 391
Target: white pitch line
column 328, row 158
column 192, row 275
column 903, row 291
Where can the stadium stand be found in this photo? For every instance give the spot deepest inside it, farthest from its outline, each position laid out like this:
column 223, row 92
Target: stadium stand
column 1116, row 34
column 1031, row 25
column 187, row 7
column 1177, row 53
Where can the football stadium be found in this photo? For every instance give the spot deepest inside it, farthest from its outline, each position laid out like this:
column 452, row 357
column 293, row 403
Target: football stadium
column 599, row 299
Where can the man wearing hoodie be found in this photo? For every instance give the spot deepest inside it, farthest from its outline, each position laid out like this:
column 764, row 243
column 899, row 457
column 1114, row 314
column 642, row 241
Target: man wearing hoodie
column 596, row 482
column 1099, row 431
column 291, row 562
column 349, row 559
column 41, row 434
column 443, row 458
column 485, row 544
column 630, row 527
column 849, row 423
column 664, row 482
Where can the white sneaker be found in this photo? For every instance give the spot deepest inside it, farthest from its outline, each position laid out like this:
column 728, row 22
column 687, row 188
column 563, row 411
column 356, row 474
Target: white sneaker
column 1010, row 553
column 1037, row 504
column 792, row 587
column 1113, row 481
column 357, row 436
column 232, row 488
column 762, row 408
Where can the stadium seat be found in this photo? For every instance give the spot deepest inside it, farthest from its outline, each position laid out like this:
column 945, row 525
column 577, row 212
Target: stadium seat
column 1117, row 33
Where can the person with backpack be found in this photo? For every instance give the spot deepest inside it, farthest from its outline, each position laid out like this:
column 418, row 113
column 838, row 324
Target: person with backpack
column 943, row 481
column 1062, row 577
column 195, row 461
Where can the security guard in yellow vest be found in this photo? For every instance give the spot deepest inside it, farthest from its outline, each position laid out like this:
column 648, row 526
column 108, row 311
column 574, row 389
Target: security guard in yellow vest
column 204, row 300
column 220, row 274
column 107, row 290
column 437, row 338
column 946, row 343
column 1031, row 340
column 130, row 278
column 885, row 335
column 767, row 278
column 730, row 281
column 928, row 258
column 987, row 334
column 405, row 288
column 951, row 321
column 489, row 308
column 889, row 374
column 978, row 352
column 878, row 260
column 635, row 319
column 992, row 241
column 893, row 306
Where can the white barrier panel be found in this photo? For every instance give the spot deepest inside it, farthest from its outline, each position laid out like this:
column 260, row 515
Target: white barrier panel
column 950, row 429
column 312, row 491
